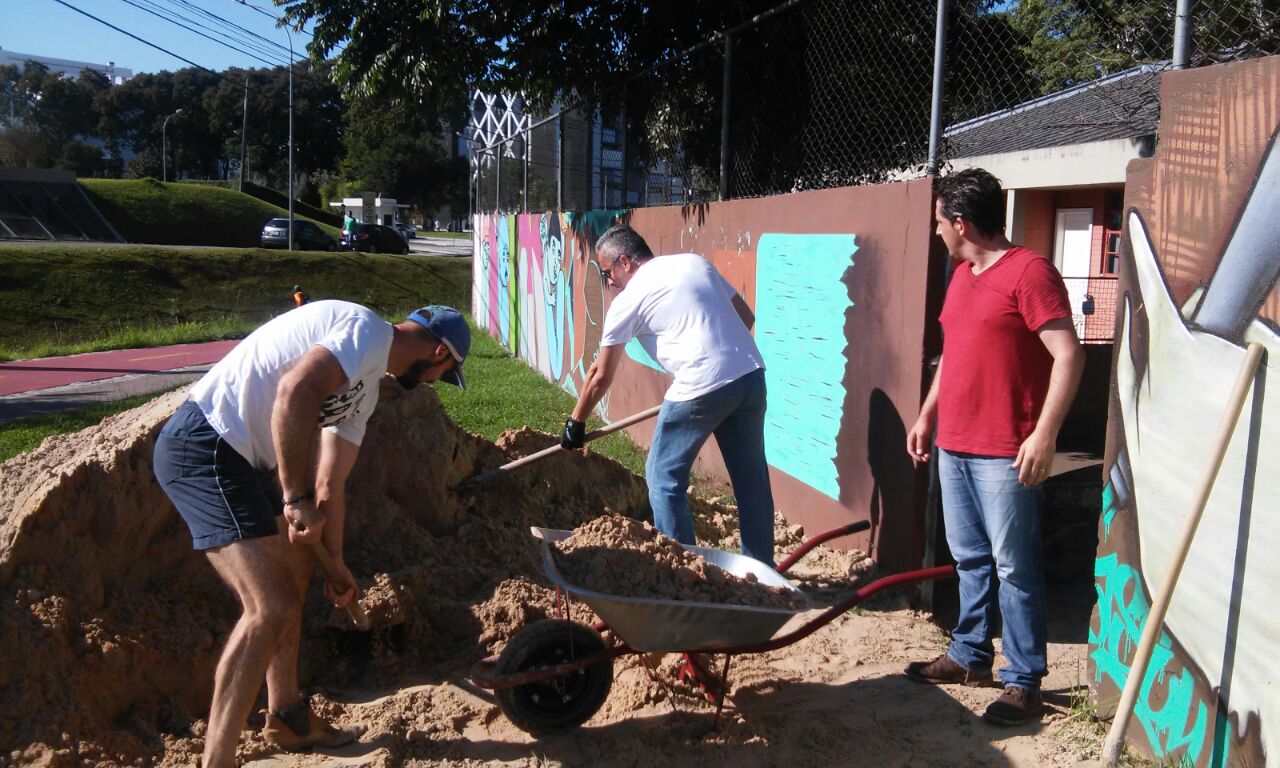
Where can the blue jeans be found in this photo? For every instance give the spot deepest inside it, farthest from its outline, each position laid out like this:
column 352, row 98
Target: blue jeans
column 993, row 529
column 734, row 413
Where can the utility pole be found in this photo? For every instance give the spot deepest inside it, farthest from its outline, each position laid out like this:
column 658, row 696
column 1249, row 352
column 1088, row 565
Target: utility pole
column 244, row 132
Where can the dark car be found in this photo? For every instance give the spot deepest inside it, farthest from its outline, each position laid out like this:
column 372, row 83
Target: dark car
column 307, row 236
column 375, row 238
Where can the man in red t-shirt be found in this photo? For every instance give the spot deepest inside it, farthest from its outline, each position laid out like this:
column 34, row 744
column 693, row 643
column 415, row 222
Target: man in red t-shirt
column 1010, row 367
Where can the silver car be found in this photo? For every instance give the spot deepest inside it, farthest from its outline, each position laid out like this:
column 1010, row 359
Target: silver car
column 406, row 230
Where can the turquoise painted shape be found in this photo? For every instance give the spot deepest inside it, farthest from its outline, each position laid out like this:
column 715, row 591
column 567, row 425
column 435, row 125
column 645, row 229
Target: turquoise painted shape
column 636, row 351
column 1182, row 722
column 801, row 301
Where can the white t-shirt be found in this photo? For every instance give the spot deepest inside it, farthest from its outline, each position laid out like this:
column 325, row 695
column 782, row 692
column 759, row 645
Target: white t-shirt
column 681, row 311
column 238, row 394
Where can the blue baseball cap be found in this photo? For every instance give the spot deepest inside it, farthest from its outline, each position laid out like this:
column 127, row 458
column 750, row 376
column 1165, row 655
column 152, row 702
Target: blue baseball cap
column 449, row 326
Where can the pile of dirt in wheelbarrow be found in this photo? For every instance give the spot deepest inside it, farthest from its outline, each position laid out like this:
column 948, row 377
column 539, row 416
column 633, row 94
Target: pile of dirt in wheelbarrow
column 616, row 555
column 111, row 625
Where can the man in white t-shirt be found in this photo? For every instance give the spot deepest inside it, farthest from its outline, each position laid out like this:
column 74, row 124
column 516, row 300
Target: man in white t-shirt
column 253, row 419
column 689, row 319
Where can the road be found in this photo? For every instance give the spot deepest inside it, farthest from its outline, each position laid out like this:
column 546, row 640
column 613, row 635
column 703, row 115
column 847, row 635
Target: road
column 439, row 246
column 32, row 387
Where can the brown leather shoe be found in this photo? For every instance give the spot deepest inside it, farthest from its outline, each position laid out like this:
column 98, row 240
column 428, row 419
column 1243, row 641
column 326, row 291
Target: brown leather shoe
column 943, row 670
column 1014, row 707
column 298, row 729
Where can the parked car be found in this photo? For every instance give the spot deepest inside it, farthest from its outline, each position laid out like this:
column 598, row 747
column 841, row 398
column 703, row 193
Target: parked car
column 307, row 236
column 405, row 229
column 375, row 238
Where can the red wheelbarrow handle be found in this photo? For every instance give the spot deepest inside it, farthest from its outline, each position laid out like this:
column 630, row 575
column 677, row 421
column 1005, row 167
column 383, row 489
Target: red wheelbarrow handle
column 834, row 533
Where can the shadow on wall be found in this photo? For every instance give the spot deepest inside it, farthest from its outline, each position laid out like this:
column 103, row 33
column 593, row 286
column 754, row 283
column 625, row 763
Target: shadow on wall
column 893, row 517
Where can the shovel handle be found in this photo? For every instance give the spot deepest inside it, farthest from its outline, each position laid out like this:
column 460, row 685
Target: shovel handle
column 544, row 453
column 354, row 608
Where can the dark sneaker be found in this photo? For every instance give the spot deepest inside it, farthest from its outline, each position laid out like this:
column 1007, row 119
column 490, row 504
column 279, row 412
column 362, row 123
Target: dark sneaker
column 298, row 729
column 1014, row 707
column 943, row 670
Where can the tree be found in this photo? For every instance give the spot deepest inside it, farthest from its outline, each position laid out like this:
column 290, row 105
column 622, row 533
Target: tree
column 1074, row 41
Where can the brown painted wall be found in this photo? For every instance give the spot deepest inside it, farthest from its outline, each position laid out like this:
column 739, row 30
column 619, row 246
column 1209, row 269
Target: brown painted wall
column 537, row 289
column 1207, row 697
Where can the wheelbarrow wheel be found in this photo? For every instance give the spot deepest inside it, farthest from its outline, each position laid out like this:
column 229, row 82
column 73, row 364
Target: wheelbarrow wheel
column 561, row 703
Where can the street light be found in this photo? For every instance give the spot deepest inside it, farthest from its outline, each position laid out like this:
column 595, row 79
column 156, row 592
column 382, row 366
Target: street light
column 164, row 146
column 280, row 23
column 473, row 164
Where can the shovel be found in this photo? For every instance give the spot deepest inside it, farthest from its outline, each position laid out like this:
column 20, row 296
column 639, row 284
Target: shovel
column 327, row 565
column 475, row 480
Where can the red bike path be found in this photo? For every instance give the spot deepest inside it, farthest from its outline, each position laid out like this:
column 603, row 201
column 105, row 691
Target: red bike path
column 49, row 372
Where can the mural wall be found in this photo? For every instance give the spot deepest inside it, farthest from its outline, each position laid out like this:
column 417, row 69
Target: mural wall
column 838, row 280
column 1198, row 282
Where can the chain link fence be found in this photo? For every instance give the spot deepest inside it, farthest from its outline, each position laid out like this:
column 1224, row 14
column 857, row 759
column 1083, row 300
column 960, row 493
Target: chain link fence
column 824, row 93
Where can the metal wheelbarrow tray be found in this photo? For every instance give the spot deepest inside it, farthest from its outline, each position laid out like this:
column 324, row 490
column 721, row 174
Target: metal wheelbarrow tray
column 651, row 624
column 554, row 674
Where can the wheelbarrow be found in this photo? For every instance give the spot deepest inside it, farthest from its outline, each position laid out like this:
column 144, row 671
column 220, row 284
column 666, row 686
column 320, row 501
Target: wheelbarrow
column 554, row 674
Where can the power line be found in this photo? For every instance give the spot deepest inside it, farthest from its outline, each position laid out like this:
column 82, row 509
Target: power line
column 243, row 33
column 243, row 37
column 161, row 15
column 130, row 34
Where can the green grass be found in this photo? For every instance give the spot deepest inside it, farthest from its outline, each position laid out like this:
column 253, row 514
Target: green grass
column 503, row 392
column 278, row 199
column 60, row 299
column 150, row 211
column 23, row 435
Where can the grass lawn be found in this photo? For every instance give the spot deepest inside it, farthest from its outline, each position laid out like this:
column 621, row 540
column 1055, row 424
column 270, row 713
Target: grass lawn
column 502, row 393
column 23, row 435
column 61, row 298
column 150, row 211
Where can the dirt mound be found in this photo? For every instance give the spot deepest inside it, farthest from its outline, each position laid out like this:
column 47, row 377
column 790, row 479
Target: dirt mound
column 619, row 556
column 111, row 625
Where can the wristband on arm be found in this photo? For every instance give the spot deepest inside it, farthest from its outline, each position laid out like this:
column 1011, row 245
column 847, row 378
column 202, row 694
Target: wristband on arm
column 303, row 497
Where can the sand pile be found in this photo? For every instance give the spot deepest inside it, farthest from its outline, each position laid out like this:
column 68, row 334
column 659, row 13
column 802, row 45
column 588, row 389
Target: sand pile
column 111, row 625
column 620, row 556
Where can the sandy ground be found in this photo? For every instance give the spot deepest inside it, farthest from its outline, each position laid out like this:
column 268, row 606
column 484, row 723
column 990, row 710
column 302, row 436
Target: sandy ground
column 111, row 626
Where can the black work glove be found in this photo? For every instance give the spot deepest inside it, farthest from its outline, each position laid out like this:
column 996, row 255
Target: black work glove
column 574, row 434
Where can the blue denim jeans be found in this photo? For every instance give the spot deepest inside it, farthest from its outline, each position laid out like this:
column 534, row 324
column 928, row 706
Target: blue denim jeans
column 993, row 529
column 733, row 413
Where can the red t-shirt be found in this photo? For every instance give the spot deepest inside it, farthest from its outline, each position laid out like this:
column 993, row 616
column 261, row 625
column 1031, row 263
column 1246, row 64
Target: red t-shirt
column 995, row 369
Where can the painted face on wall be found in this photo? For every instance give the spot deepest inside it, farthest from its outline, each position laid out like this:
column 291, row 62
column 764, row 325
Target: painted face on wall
column 552, row 257
column 504, row 256
column 484, row 258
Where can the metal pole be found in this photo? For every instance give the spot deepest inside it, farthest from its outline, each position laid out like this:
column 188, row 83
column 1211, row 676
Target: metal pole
column 623, row 146
column 725, row 103
column 524, row 192
column 497, row 180
column 291, row 234
column 1182, row 35
column 244, row 132
column 559, row 161
column 164, row 146
column 939, row 71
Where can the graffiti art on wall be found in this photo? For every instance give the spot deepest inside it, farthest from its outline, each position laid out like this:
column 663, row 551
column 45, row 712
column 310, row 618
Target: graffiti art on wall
column 1211, row 689
column 800, row 318
column 838, row 340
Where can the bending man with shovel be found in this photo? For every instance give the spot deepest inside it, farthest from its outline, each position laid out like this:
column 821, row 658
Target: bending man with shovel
column 689, row 319
column 253, row 419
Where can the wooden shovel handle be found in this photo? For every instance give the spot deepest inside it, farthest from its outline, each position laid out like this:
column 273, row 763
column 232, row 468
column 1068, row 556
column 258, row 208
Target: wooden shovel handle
column 354, row 608
column 544, row 453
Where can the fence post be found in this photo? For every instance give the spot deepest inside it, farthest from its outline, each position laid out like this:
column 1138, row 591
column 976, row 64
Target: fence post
column 939, row 71
column 622, row 144
column 725, row 103
column 591, row 160
column 1182, row 35
column 560, row 159
column 497, row 180
column 524, row 192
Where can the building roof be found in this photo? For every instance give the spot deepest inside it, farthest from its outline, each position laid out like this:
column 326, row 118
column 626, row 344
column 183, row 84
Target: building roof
column 1119, row 106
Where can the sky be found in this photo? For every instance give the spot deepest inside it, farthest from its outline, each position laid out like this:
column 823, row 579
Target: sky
column 50, row 28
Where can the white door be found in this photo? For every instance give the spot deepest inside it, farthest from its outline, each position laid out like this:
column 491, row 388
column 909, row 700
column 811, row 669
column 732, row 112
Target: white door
column 1072, row 254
